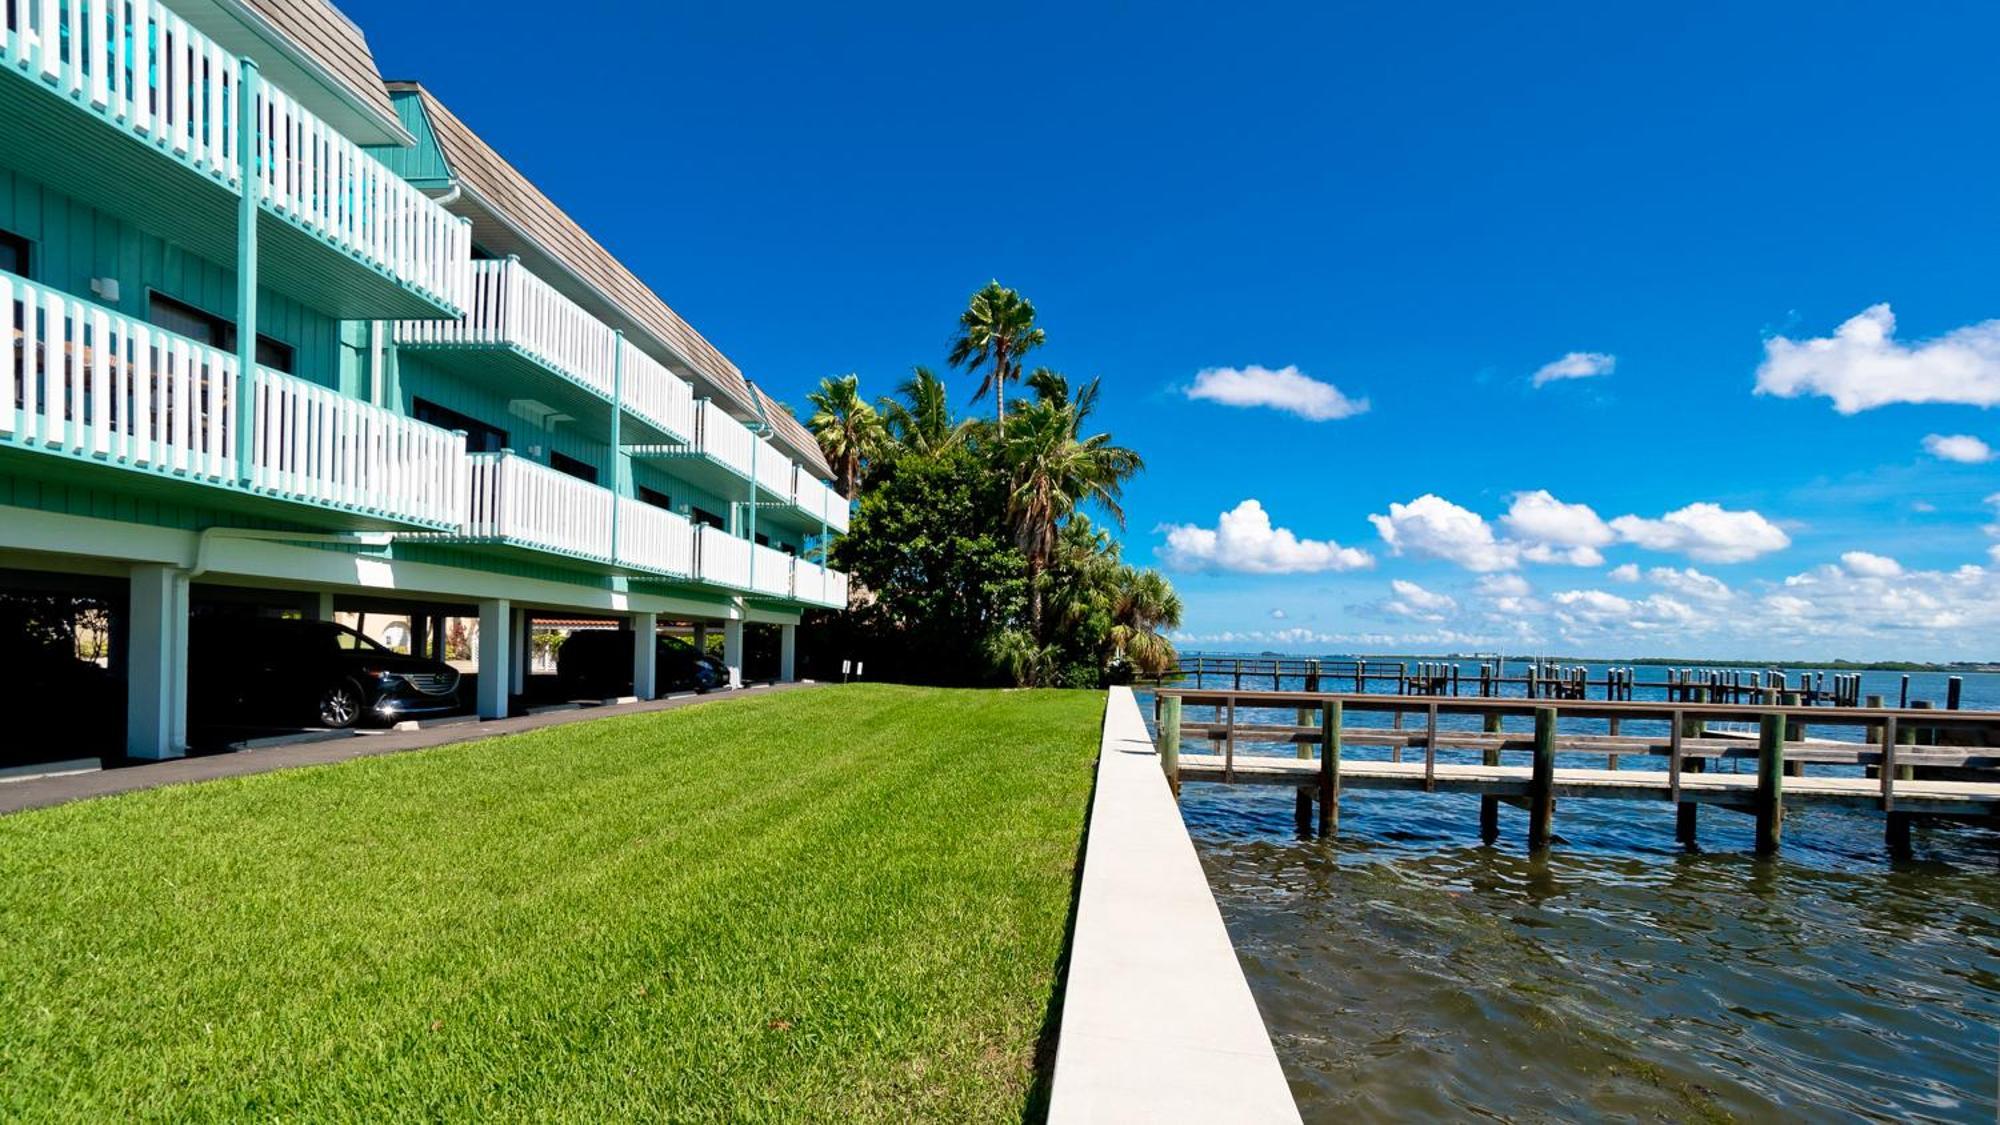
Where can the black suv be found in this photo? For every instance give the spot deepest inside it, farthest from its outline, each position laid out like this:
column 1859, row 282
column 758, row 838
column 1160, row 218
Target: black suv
column 295, row 671
column 597, row 664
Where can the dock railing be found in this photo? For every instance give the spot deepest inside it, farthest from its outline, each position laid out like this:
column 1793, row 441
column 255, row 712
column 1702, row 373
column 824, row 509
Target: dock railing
column 1912, row 759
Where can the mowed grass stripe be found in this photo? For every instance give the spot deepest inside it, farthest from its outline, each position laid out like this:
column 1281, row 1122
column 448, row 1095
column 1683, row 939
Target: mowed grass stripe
column 846, row 902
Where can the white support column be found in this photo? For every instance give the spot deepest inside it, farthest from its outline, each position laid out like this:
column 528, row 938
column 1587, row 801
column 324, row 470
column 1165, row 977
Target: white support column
column 156, row 663
column 517, row 667
column 645, row 653
column 732, row 650
column 788, row 648
column 320, row 606
column 701, row 637
column 496, row 632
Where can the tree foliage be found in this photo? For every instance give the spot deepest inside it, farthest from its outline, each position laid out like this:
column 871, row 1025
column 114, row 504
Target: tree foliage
column 972, row 552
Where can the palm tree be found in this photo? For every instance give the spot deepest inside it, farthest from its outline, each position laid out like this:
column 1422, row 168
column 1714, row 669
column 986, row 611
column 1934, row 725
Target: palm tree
column 1054, row 470
column 850, row 433
column 996, row 329
column 922, row 423
column 1024, row 659
column 1143, row 605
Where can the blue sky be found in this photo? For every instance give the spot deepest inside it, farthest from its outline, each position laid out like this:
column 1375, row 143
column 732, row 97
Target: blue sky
column 1419, row 205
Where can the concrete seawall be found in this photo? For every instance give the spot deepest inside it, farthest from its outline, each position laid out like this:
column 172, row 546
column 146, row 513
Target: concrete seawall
column 1158, row 1022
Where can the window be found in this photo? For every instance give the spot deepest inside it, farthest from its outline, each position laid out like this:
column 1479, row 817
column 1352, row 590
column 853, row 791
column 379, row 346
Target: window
column 763, row 540
column 13, row 254
column 656, row 498
column 700, row 515
column 479, row 437
column 565, row 464
column 216, row 332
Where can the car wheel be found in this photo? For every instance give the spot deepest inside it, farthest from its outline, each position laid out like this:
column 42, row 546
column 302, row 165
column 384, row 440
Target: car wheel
column 340, row 705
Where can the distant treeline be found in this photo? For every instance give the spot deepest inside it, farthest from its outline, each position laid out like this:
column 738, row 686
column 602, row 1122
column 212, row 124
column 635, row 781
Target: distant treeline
column 1653, row 661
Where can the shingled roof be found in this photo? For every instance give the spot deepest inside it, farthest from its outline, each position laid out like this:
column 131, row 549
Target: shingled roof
column 325, row 33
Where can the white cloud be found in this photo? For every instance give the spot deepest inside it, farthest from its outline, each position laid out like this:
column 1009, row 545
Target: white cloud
column 1582, row 612
column 1706, row 533
column 1862, row 564
column 1432, row 525
column 1923, row 506
column 1993, row 553
column 1627, row 573
column 1277, row 615
column 1287, row 389
column 1243, row 540
column 1963, row 448
column 1690, row 583
column 1834, row 601
column 1576, row 365
column 1862, row 366
column 1547, row 522
column 1412, row 600
column 1504, row 586
column 1568, row 556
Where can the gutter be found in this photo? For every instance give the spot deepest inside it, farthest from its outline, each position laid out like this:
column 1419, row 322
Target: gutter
column 761, row 429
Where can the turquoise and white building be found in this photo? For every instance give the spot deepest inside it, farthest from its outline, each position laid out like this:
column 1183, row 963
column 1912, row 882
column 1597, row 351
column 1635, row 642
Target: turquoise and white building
column 278, row 333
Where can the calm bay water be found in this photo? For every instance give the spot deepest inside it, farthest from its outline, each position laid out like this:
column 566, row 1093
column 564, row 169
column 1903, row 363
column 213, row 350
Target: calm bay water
column 1404, row 970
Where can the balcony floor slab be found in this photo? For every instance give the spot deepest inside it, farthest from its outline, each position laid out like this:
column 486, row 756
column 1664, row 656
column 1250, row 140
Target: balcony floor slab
column 85, row 484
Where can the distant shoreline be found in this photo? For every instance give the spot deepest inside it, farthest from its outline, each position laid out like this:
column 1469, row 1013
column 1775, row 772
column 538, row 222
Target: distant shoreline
column 1639, row 661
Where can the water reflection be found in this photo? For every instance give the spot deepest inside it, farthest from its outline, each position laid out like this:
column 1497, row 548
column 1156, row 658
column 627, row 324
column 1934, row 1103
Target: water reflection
column 1405, row 970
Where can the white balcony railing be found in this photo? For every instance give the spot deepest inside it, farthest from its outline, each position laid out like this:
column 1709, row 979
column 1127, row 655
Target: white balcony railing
column 144, row 70
column 512, row 308
column 775, row 471
column 315, row 444
column 308, row 173
column 837, row 512
column 722, row 438
column 658, row 395
column 517, row 501
column 168, row 84
column 654, row 539
column 83, row 380
column 818, row 585
column 812, row 496
column 770, row 571
column 721, row 558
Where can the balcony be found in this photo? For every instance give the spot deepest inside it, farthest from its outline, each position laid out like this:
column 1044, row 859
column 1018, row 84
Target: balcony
column 527, row 507
column 817, row 585
column 654, row 540
column 770, row 571
column 814, row 505
column 113, row 394
column 519, row 334
column 124, row 106
column 721, row 559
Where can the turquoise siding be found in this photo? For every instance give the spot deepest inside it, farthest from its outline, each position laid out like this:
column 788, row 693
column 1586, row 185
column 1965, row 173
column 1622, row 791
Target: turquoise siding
column 423, row 163
column 71, row 243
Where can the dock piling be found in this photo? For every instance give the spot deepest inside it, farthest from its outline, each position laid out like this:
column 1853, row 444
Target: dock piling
column 1329, row 767
column 1770, row 784
column 1542, row 784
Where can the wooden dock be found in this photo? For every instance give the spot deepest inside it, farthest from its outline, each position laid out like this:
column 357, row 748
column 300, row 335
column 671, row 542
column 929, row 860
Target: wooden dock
column 1908, row 761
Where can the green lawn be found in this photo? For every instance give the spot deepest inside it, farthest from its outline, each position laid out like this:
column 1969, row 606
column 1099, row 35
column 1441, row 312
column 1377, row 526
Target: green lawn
column 839, row 903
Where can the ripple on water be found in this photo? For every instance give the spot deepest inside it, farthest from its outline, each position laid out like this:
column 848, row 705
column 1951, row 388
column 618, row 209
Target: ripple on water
column 1404, row 972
